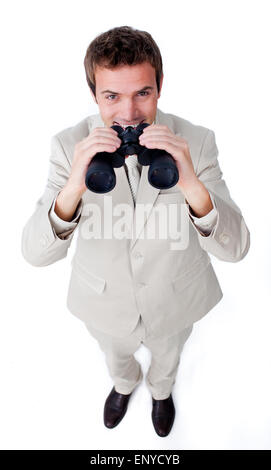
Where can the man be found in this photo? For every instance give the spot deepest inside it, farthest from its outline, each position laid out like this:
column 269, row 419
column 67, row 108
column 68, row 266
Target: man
column 132, row 289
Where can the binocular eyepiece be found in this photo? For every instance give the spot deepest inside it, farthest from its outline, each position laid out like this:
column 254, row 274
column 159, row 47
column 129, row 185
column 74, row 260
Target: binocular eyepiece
column 101, row 178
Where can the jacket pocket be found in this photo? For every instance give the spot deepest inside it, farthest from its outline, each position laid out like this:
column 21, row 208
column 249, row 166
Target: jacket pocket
column 196, row 269
column 93, row 281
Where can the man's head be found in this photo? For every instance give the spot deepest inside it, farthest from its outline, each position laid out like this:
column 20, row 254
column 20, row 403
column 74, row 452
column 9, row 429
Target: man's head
column 124, row 72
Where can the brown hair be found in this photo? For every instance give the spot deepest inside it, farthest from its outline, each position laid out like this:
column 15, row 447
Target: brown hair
column 122, row 45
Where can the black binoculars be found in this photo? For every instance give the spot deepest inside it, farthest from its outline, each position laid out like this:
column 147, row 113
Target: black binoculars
column 101, row 178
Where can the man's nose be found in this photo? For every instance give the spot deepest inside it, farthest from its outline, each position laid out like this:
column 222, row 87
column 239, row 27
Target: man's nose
column 128, row 111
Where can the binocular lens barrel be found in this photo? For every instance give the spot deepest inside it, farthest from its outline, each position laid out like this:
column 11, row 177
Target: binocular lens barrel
column 163, row 173
column 100, row 176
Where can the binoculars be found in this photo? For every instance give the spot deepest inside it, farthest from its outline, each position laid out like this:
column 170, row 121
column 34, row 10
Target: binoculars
column 101, row 178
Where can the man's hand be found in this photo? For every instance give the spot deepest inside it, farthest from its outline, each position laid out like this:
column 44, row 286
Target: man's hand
column 99, row 139
column 161, row 137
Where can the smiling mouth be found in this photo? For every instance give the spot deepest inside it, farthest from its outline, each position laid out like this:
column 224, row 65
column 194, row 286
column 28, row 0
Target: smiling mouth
column 128, row 125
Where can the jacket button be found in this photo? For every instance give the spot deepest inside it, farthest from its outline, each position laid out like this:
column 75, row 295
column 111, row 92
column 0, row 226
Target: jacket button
column 224, row 238
column 138, row 254
column 141, row 284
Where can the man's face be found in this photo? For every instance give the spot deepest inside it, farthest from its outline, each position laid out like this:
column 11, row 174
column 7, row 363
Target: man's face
column 127, row 94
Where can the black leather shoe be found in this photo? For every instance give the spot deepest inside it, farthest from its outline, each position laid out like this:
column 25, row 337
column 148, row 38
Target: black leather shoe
column 115, row 408
column 163, row 414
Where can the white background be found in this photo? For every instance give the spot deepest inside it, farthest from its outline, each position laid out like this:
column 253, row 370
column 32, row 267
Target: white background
column 216, row 58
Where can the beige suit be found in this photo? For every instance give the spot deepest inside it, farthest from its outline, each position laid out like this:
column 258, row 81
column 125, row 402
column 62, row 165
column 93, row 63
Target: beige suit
column 115, row 281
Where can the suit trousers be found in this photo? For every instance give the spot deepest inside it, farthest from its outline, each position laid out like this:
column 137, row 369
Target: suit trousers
column 126, row 371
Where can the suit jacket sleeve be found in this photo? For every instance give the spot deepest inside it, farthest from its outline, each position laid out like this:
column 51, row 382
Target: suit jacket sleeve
column 229, row 240
column 63, row 228
column 40, row 244
column 206, row 223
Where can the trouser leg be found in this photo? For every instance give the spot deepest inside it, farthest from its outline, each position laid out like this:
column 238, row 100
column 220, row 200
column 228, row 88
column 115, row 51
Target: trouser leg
column 165, row 360
column 123, row 368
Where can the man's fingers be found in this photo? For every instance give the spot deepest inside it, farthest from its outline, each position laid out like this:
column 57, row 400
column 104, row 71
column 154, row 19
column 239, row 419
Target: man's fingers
column 107, row 139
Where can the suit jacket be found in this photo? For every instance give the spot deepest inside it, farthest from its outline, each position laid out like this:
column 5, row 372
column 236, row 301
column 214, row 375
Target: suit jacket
column 115, row 280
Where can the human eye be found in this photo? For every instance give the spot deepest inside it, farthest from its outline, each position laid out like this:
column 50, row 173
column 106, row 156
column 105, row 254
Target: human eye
column 107, row 97
column 146, row 93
